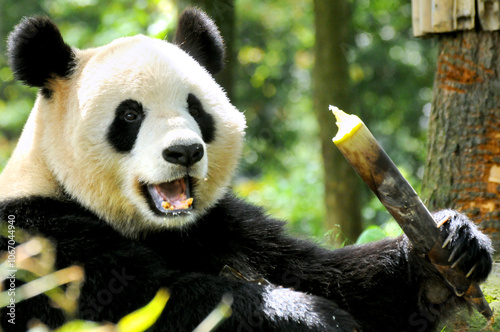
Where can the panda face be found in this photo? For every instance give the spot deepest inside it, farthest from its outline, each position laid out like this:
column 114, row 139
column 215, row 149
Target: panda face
column 138, row 132
column 156, row 133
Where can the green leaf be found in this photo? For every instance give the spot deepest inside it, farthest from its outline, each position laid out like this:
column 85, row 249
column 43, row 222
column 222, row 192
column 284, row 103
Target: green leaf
column 392, row 229
column 78, row 326
column 141, row 319
column 371, row 234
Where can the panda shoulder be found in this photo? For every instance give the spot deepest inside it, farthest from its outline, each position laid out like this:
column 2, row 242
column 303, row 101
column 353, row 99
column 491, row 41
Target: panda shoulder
column 239, row 214
column 48, row 216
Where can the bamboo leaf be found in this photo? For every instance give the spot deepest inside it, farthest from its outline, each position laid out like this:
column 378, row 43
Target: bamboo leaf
column 143, row 318
column 79, row 326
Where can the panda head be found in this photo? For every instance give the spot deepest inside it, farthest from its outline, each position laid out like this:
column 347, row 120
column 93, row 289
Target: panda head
column 131, row 130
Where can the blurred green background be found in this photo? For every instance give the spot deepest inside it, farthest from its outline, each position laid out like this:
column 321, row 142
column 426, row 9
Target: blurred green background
column 391, row 75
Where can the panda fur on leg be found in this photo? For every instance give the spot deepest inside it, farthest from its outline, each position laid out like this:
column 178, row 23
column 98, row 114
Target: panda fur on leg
column 122, row 135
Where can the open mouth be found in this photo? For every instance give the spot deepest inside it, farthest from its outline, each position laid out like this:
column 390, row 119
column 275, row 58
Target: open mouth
column 172, row 197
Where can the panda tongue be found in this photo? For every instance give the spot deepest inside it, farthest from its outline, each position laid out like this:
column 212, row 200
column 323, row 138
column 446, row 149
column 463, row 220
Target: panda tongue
column 173, row 192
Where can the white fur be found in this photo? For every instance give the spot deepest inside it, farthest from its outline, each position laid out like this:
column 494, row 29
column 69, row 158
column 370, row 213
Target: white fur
column 64, row 146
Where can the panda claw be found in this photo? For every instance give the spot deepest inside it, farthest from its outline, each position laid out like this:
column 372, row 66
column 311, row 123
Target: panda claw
column 447, row 241
column 471, row 270
column 453, row 254
column 458, row 261
column 444, row 221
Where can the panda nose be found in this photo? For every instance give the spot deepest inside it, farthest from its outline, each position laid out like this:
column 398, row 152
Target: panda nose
column 185, row 155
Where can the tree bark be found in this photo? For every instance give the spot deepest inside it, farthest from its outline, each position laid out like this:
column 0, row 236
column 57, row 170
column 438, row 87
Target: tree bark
column 331, row 86
column 463, row 165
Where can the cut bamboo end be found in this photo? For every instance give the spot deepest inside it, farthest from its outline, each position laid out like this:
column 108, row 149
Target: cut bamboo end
column 348, row 125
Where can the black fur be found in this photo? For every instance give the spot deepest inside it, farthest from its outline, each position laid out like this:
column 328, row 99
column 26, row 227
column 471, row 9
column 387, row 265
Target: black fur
column 463, row 232
column 37, row 53
column 123, row 132
column 205, row 120
column 198, row 35
column 379, row 286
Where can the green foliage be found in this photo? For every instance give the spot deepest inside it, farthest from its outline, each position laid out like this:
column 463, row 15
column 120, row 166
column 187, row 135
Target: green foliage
column 374, row 232
column 371, row 234
column 391, row 74
column 78, row 326
column 295, row 195
column 273, row 82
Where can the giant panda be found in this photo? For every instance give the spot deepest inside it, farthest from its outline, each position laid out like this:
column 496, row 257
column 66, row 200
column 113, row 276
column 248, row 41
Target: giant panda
column 122, row 136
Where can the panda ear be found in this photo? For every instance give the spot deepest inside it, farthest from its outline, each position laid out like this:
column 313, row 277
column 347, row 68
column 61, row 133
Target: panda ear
column 198, row 35
column 37, row 52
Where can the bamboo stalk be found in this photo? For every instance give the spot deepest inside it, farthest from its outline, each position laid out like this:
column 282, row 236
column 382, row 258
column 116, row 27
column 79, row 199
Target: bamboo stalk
column 375, row 167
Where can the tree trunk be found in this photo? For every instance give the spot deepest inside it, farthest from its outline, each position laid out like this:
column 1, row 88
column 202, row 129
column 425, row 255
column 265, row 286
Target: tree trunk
column 331, row 86
column 463, row 166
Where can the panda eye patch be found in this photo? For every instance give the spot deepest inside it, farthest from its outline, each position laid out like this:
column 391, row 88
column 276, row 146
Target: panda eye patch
column 130, row 111
column 123, row 132
column 203, row 118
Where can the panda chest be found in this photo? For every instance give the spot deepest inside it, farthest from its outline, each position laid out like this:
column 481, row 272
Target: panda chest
column 195, row 255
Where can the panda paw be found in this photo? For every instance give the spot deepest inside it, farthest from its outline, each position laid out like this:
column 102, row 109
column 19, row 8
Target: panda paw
column 468, row 249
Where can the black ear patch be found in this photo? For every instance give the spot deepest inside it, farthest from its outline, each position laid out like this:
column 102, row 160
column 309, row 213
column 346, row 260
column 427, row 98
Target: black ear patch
column 37, row 52
column 198, row 35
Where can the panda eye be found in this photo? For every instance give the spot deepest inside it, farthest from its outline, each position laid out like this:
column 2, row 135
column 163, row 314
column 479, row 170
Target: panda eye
column 194, row 112
column 131, row 116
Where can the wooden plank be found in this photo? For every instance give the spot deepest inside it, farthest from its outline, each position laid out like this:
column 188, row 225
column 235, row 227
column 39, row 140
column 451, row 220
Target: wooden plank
column 442, row 16
column 489, row 14
column 439, row 16
column 426, row 16
column 464, row 15
column 415, row 18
